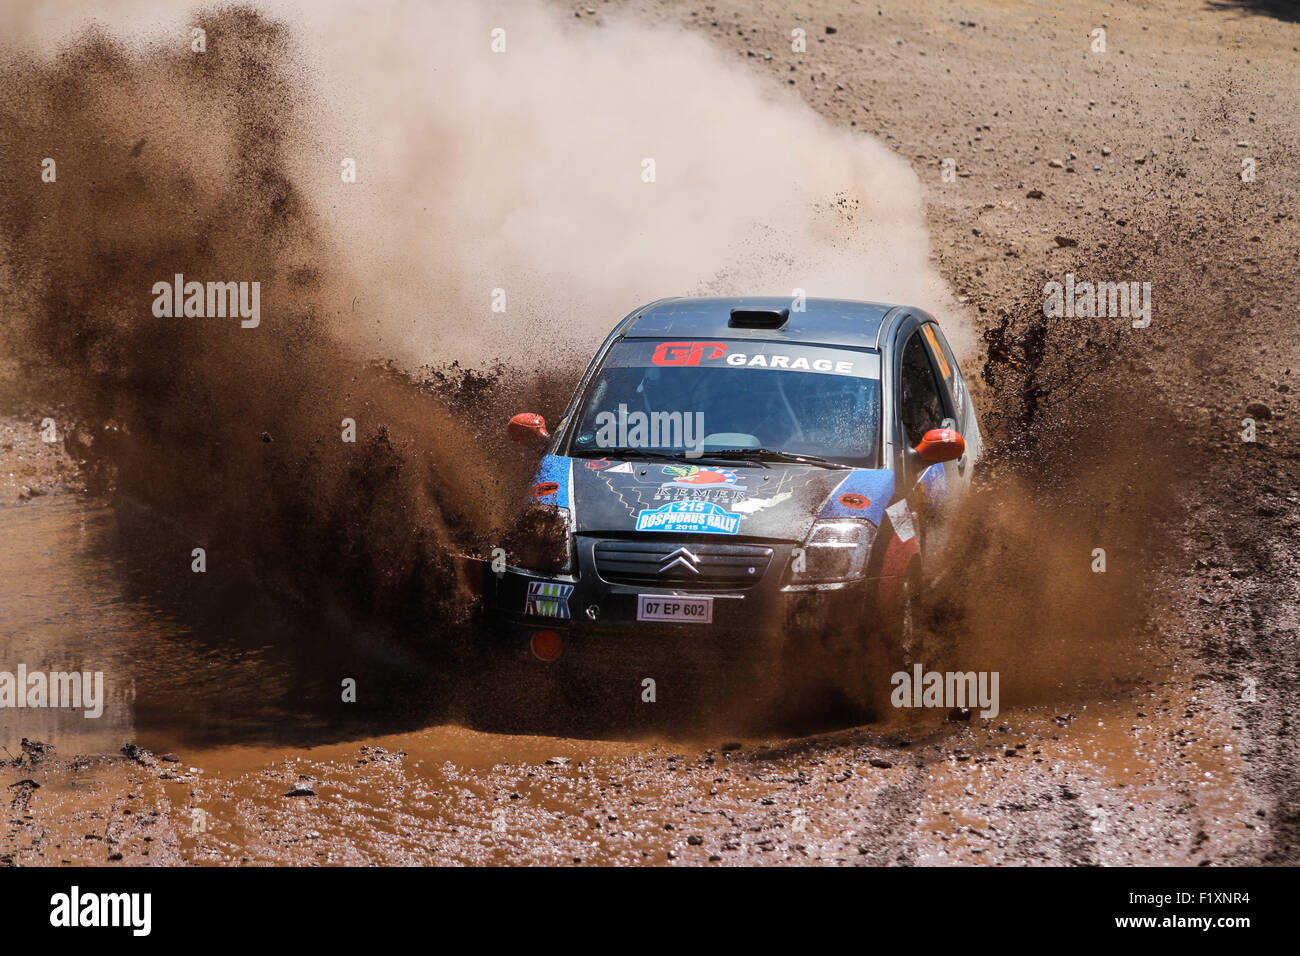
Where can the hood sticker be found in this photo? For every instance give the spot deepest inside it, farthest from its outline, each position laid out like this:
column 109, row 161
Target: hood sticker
column 795, row 358
column 696, row 477
column 862, row 494
column 554, row 481
column 750, row 505
column 689, row 517
column 721, row 486
column 544, row 489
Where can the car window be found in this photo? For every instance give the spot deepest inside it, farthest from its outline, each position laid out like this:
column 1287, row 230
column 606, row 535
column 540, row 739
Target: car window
column 921, row 405
column 943, row 356
column 811, row 411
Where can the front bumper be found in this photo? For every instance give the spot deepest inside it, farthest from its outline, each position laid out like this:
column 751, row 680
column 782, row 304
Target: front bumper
column 596, row 618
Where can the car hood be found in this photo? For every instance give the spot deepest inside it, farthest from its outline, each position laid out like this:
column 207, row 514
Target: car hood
column 781, row 501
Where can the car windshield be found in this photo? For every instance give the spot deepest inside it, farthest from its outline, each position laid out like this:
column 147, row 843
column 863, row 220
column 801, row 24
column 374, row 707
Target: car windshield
column 683, row 398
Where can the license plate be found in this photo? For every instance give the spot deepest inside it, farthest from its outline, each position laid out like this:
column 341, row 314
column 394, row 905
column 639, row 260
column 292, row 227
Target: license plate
column 680, row 610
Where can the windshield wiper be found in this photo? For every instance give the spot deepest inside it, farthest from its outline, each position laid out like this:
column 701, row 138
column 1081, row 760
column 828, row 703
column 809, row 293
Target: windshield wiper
column 644, row 454
column 769, row 454
column 641, row 454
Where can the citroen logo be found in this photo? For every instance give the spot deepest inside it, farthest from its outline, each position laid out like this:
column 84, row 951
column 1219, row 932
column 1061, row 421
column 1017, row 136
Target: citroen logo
column 680, row 556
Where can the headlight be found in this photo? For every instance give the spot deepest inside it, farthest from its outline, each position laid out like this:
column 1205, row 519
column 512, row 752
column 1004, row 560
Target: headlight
column 835, row 551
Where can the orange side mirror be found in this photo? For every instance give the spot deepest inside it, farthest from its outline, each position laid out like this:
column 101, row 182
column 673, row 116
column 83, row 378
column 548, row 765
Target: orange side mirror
column 941, row 444
column 527, row 426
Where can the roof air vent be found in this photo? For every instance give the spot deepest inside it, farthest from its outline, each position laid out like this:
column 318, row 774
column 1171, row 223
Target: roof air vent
column 759, row 318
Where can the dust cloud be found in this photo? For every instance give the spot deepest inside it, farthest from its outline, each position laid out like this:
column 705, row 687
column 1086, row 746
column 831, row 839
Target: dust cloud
column 524, row 171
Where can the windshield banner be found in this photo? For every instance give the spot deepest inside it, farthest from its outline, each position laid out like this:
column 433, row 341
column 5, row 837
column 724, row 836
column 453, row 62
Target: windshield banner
column 634, row 353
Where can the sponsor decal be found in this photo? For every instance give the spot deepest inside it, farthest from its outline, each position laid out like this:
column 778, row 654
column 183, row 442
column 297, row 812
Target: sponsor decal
column 544, row 489
column 799, row 364
column 721, row 493
column 548, row 599
column 750, row 505
column 689, row 517
column 901, row 517
column 699, row 477
column 687, row 353
column 898, row 554
column 691, row 483
column 776, row 355
column 934, row 485
column 555, row 473
column 598, row 465
column 645, row 491
column 862, row 495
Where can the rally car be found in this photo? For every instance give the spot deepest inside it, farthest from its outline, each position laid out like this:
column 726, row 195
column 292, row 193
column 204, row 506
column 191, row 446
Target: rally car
column 736, row 477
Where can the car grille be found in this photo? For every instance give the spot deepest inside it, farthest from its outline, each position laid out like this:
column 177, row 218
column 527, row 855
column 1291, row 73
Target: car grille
column 717, row 567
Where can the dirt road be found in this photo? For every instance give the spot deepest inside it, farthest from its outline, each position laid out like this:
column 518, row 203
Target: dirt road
column 1123, row 164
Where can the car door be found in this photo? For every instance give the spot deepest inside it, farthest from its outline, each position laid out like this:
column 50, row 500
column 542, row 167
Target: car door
column 922, row 401
column 964, row 409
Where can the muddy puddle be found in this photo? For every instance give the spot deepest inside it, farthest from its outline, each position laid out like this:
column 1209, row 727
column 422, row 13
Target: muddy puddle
column 186, row 663
column 193, row 662
column 223, row 739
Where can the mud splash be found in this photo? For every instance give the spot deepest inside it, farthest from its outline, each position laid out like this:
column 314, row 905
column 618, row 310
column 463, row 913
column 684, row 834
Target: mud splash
column 173, row 164
column 1055, row 574
column 233, row 436
column 170, row 163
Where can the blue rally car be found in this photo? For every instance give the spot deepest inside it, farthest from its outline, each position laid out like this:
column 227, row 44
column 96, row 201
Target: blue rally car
column 738, row 477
